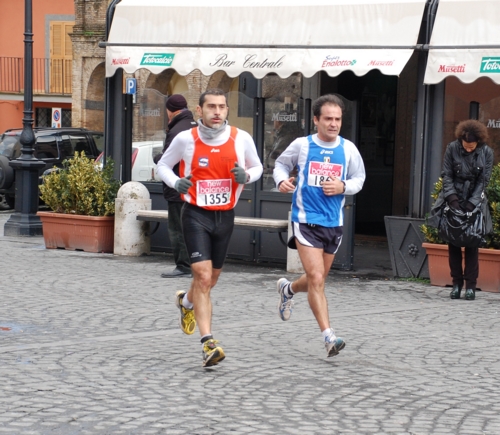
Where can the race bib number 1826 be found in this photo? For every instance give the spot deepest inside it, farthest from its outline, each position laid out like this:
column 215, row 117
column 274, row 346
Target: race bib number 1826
column 213, row 192
column 320, row 172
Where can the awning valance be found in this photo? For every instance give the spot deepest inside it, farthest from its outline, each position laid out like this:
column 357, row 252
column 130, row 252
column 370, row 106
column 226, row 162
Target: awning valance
column 264, row 36
column 465, row 41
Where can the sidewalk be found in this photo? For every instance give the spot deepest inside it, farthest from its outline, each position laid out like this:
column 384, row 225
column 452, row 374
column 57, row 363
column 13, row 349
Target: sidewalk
column 89, row 344
column 371, row 256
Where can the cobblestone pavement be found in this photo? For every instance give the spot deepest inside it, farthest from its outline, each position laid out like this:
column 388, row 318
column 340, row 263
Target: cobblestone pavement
column 89, row 344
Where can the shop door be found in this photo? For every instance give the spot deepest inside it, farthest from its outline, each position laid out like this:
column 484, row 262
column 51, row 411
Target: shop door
column 280, row 117
column 349, row 130
column 274, row 122
column 376, row 95
column 286, row 117
column 242, row 114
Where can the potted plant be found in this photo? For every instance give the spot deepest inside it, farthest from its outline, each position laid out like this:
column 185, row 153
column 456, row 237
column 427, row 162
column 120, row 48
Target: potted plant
column 81, row 196
column 489, row 256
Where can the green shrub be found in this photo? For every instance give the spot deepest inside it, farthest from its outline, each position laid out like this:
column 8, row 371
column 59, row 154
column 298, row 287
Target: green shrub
column 493, row 194
column 431, row 233
column 81, row 187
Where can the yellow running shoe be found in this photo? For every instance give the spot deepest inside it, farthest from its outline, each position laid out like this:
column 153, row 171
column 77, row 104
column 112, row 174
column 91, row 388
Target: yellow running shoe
column 212, row 354
column 187, row 321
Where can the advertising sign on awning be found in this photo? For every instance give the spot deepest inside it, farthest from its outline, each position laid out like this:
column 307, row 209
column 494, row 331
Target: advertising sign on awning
column 465, row 41
column 263, row 37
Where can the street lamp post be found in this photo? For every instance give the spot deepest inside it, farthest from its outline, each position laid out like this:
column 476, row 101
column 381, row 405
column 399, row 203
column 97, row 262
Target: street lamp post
column 24, row 221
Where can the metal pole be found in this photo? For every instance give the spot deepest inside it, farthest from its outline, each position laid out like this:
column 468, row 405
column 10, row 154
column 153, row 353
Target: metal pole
column 422, row 146
column 113, row 108
column 27, row 136
column 24, row 221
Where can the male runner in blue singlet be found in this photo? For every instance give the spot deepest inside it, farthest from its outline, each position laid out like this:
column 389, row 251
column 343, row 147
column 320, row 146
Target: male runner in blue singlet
column 329, row 167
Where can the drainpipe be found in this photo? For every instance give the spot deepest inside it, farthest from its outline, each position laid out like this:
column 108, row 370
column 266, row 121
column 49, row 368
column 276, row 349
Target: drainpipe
column 110, row 12
column 117, row 116
column 109, row 16
column 422, row 149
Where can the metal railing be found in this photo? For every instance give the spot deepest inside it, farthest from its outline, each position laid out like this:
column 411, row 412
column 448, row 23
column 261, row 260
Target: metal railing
column 50, row 76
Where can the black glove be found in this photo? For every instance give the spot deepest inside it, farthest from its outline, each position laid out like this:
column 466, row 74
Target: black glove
column 469, row 206
column 240, row 175
column 453, row 202
column 182, row 185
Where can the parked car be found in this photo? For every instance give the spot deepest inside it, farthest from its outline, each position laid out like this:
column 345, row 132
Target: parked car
column 52, row 146
column 143, row 166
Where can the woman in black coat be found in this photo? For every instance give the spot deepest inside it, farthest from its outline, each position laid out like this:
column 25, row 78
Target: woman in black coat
column 467, row 167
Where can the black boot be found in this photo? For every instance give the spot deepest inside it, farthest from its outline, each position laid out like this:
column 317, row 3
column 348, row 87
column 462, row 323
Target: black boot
column 470, row 294
column 455, row 293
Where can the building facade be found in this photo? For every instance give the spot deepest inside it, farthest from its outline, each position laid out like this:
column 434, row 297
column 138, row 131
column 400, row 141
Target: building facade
column 53, row 22
column 399, row 123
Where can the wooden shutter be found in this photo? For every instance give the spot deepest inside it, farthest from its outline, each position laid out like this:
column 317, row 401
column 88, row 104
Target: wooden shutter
column 61, row 57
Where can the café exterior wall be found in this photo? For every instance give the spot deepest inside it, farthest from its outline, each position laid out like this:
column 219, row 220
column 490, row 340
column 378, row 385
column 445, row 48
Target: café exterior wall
column 458, row 99
column 89, row 100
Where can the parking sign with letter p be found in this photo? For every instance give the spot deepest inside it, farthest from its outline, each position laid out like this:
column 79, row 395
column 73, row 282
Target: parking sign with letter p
column 131, row 86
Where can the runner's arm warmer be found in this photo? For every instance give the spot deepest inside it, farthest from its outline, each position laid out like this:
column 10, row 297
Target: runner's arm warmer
column 173, row 155
column 355, row 176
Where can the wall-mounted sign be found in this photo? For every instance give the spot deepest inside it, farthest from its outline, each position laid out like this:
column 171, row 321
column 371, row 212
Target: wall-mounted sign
column 131, row 86
column 56, row 117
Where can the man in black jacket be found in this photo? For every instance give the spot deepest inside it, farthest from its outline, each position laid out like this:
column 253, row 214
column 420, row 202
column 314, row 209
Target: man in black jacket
column 179, row 119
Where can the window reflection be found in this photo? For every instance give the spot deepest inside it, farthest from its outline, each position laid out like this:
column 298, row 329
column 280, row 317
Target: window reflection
column 283, row 120
column 241, row 114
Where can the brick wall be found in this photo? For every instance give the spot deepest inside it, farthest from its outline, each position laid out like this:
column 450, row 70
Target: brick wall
column 89, row 74
column 88, row 64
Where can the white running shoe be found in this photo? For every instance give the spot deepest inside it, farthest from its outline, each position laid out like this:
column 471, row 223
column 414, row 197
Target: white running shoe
column 285, row 303
column 333, row 345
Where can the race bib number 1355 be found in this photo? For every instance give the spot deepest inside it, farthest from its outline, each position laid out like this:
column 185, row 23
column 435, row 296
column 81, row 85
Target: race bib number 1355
column 213, row 192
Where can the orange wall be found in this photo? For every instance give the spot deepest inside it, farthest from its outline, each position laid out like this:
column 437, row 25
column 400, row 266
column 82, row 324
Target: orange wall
column 11, row 115
column 12, row 24
column 12, row 45
column 11, row 112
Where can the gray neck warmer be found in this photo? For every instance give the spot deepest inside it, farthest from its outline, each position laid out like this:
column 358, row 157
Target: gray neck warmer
column 211, row 133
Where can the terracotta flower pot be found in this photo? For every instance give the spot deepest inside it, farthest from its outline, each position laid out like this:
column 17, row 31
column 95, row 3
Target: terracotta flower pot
column 439, row 269
column 78, row 232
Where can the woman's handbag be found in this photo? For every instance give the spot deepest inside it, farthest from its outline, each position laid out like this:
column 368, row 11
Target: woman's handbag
column 464, row 229
column 434, row 218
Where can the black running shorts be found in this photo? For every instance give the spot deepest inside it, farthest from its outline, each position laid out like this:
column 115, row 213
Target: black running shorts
column 316, row 236
column 207, row 233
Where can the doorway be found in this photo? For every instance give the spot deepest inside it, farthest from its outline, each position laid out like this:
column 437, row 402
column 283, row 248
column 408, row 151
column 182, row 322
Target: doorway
column 275, row 119
column 376, row 95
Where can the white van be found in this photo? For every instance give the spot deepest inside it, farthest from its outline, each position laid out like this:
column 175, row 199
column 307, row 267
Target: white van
column 143, row 165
